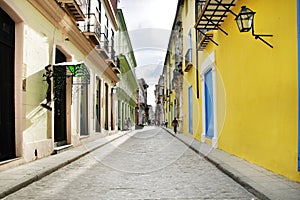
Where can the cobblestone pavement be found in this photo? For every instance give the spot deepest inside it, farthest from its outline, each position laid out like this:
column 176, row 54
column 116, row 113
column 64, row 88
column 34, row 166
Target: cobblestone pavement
column 147, row 164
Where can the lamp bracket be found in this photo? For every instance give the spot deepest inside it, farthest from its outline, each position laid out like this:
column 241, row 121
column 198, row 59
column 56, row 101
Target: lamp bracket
column 258, row 36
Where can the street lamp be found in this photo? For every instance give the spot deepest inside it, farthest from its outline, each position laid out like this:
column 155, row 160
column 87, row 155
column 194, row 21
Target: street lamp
column 245, row 20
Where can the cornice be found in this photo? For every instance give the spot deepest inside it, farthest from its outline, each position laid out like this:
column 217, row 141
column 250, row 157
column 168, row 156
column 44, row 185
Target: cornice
column 60, row 19
column 111, row 13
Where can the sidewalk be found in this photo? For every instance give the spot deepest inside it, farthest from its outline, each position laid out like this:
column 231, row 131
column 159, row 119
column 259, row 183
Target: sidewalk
column 18, row 177
column 263, row 183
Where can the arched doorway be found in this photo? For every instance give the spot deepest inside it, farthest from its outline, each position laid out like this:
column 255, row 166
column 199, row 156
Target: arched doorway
column 7, row 109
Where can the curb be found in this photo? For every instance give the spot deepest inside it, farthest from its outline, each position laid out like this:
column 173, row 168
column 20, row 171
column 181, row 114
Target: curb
column 226, row 170
column 46, row 172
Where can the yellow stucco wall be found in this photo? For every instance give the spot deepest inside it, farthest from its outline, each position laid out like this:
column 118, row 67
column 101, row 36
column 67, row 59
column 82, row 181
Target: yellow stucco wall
column 189, row 78
column 260, row 88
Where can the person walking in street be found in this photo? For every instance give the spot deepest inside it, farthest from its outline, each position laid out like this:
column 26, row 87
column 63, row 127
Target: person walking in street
column 175, row 124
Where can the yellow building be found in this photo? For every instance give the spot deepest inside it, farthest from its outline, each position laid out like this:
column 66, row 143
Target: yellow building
column 240, row 89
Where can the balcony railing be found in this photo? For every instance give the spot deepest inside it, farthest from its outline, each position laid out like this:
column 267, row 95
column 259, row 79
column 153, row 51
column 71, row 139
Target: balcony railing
column 92, row 29
column 74, row 8
column 104, row 46
column 106, row 50
column 210, row 14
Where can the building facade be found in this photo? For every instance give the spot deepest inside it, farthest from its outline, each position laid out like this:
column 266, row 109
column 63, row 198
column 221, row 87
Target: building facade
column 141, row 103
column 159, row 100
column 59, row 75
column 240, row 89
column 128, row 85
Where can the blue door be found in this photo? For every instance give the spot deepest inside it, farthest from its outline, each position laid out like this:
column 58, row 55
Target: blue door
column 190, row 96
column 209, row 107
column 175, row 108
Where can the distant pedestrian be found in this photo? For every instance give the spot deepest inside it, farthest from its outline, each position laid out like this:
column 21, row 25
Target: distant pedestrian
column 175, row 124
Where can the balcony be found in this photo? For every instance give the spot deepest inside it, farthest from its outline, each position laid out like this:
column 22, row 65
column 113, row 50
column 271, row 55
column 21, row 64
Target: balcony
column 188, row 60
column 211, row 15
column 107, row 51
column 74, row 8
column 92, row 29
column 116, row 66
column 103, row 47
column 204, row 39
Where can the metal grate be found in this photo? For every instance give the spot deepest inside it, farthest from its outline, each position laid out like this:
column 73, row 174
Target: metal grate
column 211, row 17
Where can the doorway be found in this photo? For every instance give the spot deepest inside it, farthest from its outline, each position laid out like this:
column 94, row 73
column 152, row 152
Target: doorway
column 112, row 127
column 59, row 84
column 98, row 105
column 84, row 110
column 209, row 107
column 7, row 109
column 106, row 107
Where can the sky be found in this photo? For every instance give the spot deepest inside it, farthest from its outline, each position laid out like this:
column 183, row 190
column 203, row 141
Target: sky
column 149, row 24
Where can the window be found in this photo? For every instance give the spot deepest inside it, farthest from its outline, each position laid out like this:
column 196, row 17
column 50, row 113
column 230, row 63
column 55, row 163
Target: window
column 106, row 26
column 189, row 53
column 199, row 4
column 99, row 11
column 112, row 43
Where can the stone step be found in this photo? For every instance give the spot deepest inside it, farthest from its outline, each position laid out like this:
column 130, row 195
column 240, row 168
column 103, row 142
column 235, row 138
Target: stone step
column 62, row 148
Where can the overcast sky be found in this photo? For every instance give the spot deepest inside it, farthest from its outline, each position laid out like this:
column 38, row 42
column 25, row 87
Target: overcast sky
column 149, row 23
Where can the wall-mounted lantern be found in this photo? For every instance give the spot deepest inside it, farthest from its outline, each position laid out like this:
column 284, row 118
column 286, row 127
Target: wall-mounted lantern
column 245, row 20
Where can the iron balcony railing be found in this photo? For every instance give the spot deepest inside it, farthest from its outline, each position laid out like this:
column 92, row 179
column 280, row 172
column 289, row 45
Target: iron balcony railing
column 105, row 43
column 91, row 27
column 109, row 47
column 74, row 7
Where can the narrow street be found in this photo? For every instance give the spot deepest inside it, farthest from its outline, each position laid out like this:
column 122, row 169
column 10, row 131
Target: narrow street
column 144, row 164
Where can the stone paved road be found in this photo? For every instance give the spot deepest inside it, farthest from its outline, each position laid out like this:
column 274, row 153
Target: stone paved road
column 151, row 164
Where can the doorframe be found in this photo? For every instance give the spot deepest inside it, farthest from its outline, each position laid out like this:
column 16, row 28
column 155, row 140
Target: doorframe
column 10, row 140
column 208, row 96
column 68, row 94
column 207, row 65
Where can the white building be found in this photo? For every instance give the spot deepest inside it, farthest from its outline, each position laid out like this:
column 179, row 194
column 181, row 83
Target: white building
column 59, row 71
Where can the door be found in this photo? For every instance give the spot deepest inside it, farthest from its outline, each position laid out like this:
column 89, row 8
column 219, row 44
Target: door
column 175, row 108
column 84, row 110
column 106, row 107
column 7, row 110
column 190, row 107
column 209, row 109
column 112, row 127
column 59, row 79
column 98, row 106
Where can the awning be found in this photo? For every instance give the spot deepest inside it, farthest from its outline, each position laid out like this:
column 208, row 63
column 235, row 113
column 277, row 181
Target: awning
column 77, row 70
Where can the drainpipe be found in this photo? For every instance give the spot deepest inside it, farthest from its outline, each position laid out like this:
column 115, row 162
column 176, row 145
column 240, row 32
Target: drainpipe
column 197, row 67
